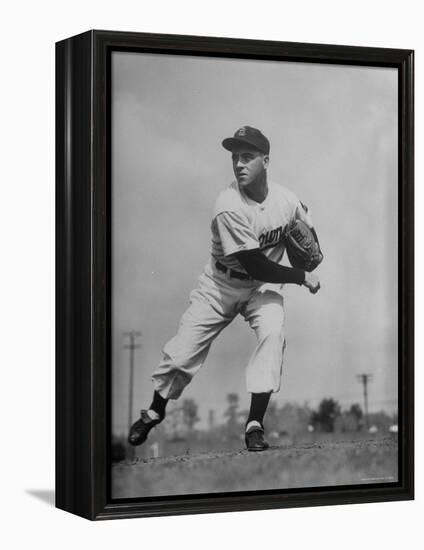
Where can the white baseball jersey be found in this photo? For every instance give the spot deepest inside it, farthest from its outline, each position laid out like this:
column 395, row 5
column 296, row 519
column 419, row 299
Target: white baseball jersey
column 240, row 223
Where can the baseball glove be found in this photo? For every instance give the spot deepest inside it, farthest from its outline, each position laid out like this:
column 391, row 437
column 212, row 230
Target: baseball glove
column 302, row 247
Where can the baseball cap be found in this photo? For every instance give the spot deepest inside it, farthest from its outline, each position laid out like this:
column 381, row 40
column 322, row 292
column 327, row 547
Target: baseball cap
column 246, row 135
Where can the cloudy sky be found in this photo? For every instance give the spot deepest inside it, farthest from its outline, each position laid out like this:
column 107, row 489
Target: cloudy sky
column 333, row 134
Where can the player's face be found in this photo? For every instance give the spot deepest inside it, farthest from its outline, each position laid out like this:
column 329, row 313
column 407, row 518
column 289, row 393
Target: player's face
column 249, row 165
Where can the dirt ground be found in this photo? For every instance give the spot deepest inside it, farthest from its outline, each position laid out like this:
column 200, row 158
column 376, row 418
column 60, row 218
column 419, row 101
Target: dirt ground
column 280, row 467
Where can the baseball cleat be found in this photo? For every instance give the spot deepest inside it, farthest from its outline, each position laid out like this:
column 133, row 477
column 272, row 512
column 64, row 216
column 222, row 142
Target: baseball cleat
column 255, row 440
column 141, row 428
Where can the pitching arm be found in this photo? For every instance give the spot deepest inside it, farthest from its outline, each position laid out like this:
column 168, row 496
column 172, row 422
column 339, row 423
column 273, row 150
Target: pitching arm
column 261, row 268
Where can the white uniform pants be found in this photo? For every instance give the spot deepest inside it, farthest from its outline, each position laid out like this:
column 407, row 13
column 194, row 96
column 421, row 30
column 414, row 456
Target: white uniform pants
column 213, row 305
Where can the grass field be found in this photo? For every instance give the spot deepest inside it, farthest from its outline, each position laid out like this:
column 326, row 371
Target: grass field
column 327, row 463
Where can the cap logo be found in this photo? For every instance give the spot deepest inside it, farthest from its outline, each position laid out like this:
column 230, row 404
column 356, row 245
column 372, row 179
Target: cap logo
column 242, row 132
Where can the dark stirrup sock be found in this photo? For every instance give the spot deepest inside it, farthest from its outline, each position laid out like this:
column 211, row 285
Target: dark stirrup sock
column 258, row 407
column 159, row 404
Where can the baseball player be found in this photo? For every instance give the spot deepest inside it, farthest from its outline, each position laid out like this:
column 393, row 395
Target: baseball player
column 243, row 276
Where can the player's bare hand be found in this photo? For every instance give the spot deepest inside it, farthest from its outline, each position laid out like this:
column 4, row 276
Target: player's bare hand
column 312, row 282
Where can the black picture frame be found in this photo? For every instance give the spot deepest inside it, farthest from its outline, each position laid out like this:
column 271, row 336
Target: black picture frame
column 83, row 234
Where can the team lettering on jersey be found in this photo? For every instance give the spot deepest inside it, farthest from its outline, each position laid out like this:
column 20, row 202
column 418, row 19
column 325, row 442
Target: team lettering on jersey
column 271, row 238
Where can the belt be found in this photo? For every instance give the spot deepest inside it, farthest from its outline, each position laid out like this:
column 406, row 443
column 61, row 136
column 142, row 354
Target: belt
column 233, row 273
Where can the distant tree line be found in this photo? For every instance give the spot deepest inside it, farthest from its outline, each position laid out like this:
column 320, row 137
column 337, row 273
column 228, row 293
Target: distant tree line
column 290, row 419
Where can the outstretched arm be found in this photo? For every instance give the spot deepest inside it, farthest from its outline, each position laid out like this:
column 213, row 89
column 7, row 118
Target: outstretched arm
column 261, row 268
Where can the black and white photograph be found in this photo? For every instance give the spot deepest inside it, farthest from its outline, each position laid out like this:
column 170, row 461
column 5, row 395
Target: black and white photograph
column 254, row 275
column 211, row 233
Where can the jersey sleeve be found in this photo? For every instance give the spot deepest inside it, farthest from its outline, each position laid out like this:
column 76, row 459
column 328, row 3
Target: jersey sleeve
column 235, row 233
column 303, row 213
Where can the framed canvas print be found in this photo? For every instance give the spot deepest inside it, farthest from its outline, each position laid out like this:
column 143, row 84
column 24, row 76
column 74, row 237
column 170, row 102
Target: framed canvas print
column 234, row 274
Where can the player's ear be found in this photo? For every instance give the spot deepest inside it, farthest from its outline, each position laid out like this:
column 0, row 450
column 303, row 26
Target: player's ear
column 266, row 161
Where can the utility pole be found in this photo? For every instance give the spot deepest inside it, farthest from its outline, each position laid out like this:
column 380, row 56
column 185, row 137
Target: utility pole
column 132, row 346
column 364, row 379
column 211, row 419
